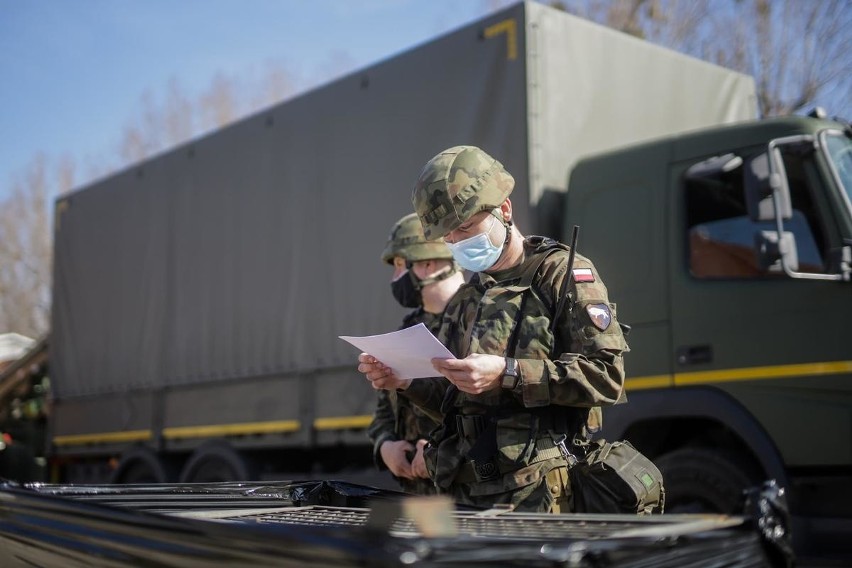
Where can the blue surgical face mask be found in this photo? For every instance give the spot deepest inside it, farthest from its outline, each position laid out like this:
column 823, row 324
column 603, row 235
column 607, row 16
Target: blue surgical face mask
column 477, row 253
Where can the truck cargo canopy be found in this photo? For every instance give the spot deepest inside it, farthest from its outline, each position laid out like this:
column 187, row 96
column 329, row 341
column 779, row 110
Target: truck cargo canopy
column 247, row 252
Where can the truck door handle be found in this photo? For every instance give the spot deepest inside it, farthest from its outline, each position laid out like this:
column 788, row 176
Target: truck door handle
column 694, row 354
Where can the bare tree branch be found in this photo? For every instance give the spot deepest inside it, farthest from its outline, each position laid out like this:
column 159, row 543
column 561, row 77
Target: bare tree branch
column 798, row 51
column 25, row 251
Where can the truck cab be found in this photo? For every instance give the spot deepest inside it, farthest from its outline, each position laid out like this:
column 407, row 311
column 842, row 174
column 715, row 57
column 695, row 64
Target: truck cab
column 728, row 252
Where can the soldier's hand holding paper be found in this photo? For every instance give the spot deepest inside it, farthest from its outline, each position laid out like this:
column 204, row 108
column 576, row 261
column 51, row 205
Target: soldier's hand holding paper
column 390, row 360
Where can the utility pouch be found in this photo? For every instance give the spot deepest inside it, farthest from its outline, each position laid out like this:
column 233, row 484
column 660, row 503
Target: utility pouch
column 483, row 453
column 614, row 477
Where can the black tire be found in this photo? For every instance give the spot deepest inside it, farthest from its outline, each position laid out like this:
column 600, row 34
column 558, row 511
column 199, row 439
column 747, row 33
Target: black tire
column 141, row 464
column 699, row 480
column 217, row 462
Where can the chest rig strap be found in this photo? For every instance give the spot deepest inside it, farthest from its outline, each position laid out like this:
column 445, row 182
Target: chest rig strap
column 481, row 429
column 522, row 287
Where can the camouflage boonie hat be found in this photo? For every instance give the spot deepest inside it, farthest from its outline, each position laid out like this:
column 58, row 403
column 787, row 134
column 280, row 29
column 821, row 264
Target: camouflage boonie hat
column 407, row 240
column 457, row 184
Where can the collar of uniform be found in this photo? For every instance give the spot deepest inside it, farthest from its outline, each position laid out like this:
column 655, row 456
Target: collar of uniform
column 535, row 243
column 503, row 277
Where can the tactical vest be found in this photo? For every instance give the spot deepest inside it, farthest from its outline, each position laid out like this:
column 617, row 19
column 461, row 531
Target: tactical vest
column 494, row 431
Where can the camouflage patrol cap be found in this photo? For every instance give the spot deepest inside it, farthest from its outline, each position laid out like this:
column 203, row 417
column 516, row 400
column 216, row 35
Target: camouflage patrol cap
column 457, row 184
column 407, row 240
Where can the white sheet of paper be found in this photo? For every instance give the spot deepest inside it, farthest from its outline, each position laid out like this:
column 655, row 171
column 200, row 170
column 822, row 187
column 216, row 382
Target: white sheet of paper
column 408, row 351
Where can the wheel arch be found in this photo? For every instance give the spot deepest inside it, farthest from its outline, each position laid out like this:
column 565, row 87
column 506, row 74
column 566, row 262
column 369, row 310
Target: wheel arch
column 661, row 420
column 164, row 470
column 218, row 450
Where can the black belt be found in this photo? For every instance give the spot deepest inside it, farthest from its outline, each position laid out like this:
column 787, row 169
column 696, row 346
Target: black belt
column 545, row 449
column 470, row 426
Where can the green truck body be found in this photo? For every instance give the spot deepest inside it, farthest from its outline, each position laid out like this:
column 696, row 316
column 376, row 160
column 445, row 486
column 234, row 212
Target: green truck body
column 740, row 368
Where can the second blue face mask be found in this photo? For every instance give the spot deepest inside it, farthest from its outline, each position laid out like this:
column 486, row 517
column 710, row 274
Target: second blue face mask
column 476, row 253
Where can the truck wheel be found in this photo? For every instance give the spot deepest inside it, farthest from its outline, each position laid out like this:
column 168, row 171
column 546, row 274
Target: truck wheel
column 702, row 481
column 141, row 464
column 215, row 463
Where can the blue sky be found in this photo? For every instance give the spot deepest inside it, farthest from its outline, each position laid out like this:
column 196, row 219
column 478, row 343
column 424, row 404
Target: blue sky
column 72, row 73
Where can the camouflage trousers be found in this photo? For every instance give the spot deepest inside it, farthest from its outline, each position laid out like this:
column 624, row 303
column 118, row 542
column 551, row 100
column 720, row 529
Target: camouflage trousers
column 550, row 494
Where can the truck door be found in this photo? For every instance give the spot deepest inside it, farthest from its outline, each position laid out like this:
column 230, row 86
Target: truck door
column 777, row 345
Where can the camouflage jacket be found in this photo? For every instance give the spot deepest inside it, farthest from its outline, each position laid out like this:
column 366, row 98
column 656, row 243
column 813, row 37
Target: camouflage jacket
column 396, row 418
column 588, row 373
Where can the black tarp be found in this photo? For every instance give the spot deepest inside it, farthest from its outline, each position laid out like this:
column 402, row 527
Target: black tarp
column 329, row 523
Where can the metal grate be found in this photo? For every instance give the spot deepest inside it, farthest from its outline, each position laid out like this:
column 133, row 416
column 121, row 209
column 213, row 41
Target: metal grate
column 310, row 516
column 516, row 526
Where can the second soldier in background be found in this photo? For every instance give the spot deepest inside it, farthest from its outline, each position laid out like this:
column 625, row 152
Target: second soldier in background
column 425, row 277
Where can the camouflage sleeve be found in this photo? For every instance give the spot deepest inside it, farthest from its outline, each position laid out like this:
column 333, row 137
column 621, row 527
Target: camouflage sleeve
column 590, row 372
column 412, row 318
column 383, row 426
column 428, row 394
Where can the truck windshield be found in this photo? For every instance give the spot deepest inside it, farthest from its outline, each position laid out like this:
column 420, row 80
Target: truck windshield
column 839, row 148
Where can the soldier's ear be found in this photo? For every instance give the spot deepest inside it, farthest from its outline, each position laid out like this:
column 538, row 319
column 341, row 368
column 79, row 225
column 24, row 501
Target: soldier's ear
column 506, row 211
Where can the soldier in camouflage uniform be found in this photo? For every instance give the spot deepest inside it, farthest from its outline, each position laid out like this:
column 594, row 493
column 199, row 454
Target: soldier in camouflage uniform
column 424, row 278
column 520, row 385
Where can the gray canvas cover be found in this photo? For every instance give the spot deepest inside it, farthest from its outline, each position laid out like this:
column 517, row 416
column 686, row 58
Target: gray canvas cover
column 247, row 252
column 593, row 89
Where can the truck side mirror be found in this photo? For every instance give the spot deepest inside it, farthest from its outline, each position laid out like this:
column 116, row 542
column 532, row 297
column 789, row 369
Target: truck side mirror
column 762, row 181
column 774, row 255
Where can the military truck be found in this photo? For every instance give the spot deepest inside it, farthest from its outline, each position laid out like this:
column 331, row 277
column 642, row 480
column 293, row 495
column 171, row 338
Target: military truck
column 728, row 251
column 199, row 295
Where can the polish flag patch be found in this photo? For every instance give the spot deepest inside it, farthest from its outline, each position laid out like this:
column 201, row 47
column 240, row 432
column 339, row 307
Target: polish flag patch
column 583, row 275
